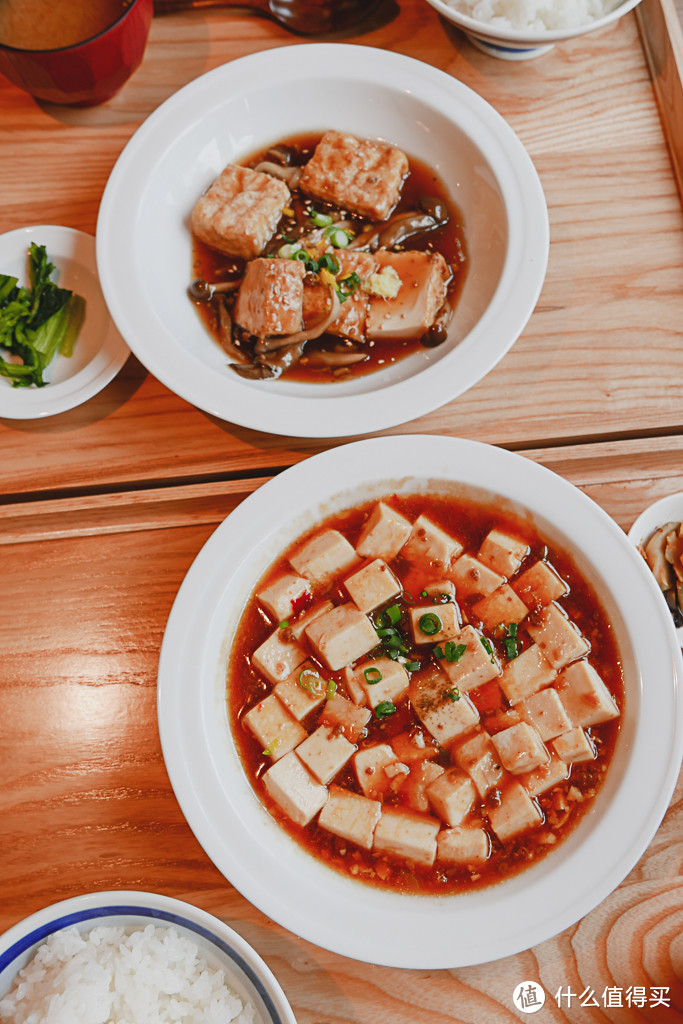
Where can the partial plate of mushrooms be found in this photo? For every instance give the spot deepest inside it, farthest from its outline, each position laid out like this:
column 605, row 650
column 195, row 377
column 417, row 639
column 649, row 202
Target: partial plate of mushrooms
column 658, row 535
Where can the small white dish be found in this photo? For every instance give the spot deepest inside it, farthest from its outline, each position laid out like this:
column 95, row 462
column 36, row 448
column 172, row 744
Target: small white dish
column 222, row 948
column 144, row 244
column 513, row 44
column 302, row 893
column 665, row 510
column 99, row 352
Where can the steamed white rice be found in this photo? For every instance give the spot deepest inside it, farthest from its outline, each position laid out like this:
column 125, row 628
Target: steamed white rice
column 115, row 976
column 534, row 15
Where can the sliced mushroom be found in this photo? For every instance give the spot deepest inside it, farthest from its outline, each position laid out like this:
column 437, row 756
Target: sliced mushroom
column 323, row 358
column 225, row 333
column 253, row 371
column 674, row 552
column 404, row 226
column 289, row 174
column 655, row 553
column 437, row 332
column 202, row 291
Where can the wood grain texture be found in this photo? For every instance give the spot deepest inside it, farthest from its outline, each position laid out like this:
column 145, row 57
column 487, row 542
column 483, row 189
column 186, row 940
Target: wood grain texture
column 662, row 32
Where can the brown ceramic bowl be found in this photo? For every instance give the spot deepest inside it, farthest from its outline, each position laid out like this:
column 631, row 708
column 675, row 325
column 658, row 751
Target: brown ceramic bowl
column 87, row 73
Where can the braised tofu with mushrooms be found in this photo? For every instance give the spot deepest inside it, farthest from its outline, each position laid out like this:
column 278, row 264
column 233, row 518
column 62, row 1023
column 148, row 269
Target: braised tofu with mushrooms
column 417, row 685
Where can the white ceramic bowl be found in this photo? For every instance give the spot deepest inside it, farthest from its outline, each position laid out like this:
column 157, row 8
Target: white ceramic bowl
column 302, row 893
column 144, row 243
column 513, row 44
column 222, row 948
column 665, row 510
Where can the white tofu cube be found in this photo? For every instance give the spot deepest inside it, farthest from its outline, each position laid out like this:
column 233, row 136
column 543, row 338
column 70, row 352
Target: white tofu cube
column 464, row 844
column 324, row 557
column 296, row 693
column 347, row 717
column 516, row 813
column 574, row 746
column 372, row 586
column 277, row 657
column 547, row 775
column 474, row 666
column 443, row 591
column 434, row 623
column 285, row 595
column 325, row 752
column 544, row 710
column 277, row 731
column 452, row 796
column 443, row 711
column 342, row 635
column 528, row 673
column 415, row 745
column 294, row 789
column 416, row 784
column 472, row 577
column 382, row 679
column 350, row 816
column 369, row 764
column 479, row 758
column 500, row 608
column 539, row 585
column 503, row 552
column 430, row 546
column 352, row 686
column 557, row 636
column 407, row 835
column 585, row 697
column 423, row 278
column 296, row 629
column 520, row 748
column 384, row 533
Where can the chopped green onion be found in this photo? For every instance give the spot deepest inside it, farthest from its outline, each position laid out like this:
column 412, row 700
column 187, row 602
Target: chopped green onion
column 486, row 644
column 512, row 631
column 454, row 694
column 290, row 251
column 511, row 648
column 385, row 708
column 271, row 748
column 386, row 631
column 412, row 666
column 430, row 624
column 329, row 262
column 423, row 593
column 331, row 689
column 348, row 284
column 321, row 220
column 438, row 652
column 372, row 675
column 339, row 238
column 311, row 680
column 454, row 652
column 390, row 616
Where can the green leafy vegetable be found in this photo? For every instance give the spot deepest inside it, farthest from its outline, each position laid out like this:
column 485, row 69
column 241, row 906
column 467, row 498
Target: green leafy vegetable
column 38, row 322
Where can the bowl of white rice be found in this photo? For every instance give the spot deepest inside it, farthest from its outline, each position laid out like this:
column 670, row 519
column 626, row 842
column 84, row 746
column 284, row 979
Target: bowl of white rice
column 133, row 957
column 520, row 29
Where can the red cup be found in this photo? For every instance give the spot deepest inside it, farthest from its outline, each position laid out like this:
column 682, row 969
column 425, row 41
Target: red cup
column 87, row 73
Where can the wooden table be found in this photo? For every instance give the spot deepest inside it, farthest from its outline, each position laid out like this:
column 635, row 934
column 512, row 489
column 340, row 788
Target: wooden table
column 103, row 509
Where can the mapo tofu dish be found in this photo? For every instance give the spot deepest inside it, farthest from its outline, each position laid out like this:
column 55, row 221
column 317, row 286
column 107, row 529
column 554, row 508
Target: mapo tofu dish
column 424, row 694
column 326, row 256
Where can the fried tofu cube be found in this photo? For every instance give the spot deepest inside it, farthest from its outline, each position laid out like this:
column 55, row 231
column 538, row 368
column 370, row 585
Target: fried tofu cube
column 539, row 585
column 294, row 789
column 370, row 763
column 282, row 596
column 278, row 656
column 557, row 636
column 408, row 835
column 443, row 711
column 240, row 211
column 429, row 545
column 350, row 816
column 325, row 752
column 296, row 629
column 324, row 556
column 277, row 731
column 382, row 679
column 503, row 552
column 372, row 586
column 270, row 297
column 423, row 279
column 500, row 608
column 585, row 697
column 473, row 577
column 475, row 666
column 297, row 698
column 464, row 844
column 383, row 534
column 547, row 775
column 528, row 673
column 363, row 176
column 416, row 785
column 516, row 813
column 352, row 320
column 342, row 635
column 479, row 758
column 346, row 717
column 574, row 746
column 434, row 623
column 545, row 711
column 520, row 748
column 452, row 796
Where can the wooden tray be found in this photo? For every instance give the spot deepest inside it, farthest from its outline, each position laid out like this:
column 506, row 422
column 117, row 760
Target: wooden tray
column 661, row 28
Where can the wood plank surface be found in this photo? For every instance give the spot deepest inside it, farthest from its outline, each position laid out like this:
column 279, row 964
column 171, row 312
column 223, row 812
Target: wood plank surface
column 661, row 28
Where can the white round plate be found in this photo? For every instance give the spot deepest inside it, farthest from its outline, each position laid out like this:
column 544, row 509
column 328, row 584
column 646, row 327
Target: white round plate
column 222, row 948
column 302, row 893
column 144, row 246
column 99, row 352
column 665, row 510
